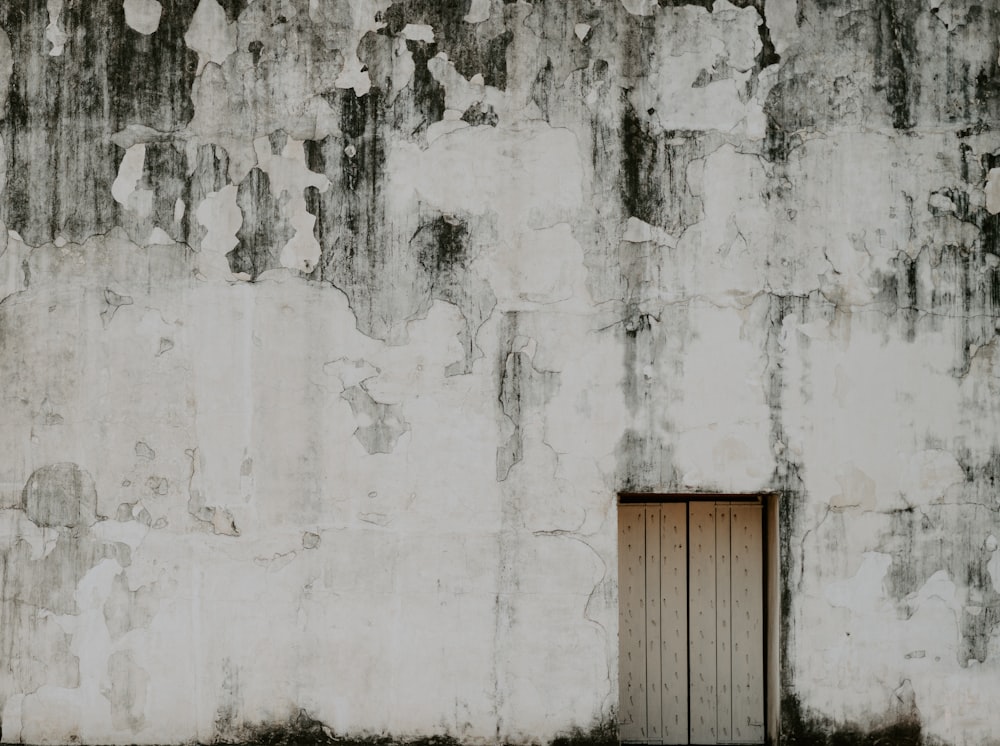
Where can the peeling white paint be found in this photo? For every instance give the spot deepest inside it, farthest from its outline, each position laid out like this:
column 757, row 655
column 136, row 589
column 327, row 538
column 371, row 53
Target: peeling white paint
column 993, row 191
column 54, row 32
column 129, row 174
column 386, row 401
column 418, row 32
column 479, row 11
column 221, row 216
column 210, row 34
column 143, row 15
column 354, row 75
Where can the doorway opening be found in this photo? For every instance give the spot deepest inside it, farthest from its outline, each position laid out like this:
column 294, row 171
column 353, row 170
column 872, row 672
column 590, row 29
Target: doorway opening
column 697, row 601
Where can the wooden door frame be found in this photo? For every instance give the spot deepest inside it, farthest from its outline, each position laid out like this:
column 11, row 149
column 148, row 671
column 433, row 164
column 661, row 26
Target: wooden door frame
column 771, row 590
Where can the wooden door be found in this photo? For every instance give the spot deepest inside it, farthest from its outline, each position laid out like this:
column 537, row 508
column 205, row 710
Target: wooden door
column 691, row 626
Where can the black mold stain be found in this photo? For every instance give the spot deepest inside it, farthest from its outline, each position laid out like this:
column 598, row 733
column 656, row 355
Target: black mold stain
column 303, row 730
column 477, row 115
column 389, row 276
column 351, row 214
column 788, row 109
column 901, row 290
column 542, row 89
column 62, row 110
column 423, row 102
column 706, row 4
column 604, row 733
column 211, row 173
column 443, row 248
column 799, row 728
column 654, row 173
column 227, row 715
column 264, row 230
column 788, row 484
column 442, row 244
column 644, row 457
column 357, row 242
column 255, row 48
column 895, row 59
column 966, row 292
column 277, row 140
column 767, row 55
column 951, row 537
column 521, row 386
column 473, row 48
column 233, row 8
column 125, row 609
column 165, row 175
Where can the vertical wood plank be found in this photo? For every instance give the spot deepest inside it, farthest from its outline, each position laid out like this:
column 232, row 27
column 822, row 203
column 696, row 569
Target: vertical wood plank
column 724, row 665
column 631, row 623
column 748, row 623
column 654, row 716
column 673, row 622
column 702, row 623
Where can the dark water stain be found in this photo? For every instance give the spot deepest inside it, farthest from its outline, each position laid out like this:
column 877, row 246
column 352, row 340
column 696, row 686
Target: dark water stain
column 950, row 537
column 128, row 684
column 227, row 714
column 787, row 483
column 542, row 89
column 164, row 173
column 644, row 458
column 521, row 387
column 264, row 230
column 277, row 140
column 787, row 110
column 303, row 730
column 62, row 110
column 479, row 114
column 233, row 8
column 256, row 49
column 965, row 295
column 653, row 177
column 644, row 463
column 36, row 590
column 125, row 609
column 803, row 728
column 422, row 101
column 210, row 174
column 767, row 55
column 896, row 59
column 390, row 276
column 441, row 244
column 443, row 247
column 473, row 48
column 350, row 216
column 60, row 495
column 358, row 245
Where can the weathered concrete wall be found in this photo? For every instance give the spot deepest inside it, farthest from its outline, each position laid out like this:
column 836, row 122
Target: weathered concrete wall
column 331, row 328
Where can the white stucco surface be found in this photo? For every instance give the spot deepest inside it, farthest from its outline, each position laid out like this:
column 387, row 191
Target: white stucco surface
column 330, row 333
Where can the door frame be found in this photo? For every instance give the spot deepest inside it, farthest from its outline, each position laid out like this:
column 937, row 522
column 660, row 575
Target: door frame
column 769, row 502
